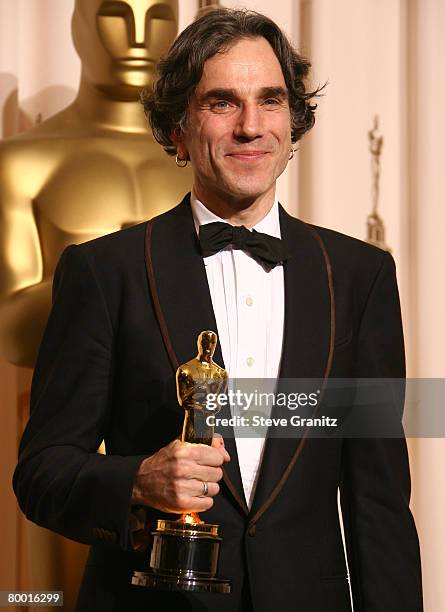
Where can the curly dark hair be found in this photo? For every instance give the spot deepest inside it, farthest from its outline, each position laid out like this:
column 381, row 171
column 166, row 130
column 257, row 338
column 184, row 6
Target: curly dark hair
column 180, row 71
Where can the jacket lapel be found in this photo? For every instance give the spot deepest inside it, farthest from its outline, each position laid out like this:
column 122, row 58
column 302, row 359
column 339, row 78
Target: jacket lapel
column 183, row 295
column 307, row 344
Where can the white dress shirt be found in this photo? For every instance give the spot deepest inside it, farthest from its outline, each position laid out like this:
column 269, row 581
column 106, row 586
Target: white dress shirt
column 248, row 303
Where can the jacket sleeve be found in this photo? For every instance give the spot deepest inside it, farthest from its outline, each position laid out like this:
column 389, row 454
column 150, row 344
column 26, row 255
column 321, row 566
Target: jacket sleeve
column 61, row 482
column 381, row 538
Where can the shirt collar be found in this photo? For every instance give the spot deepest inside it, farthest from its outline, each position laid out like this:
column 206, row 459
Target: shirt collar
column 270, row 224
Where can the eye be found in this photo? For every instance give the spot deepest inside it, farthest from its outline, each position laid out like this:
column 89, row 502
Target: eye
column 220, row 105
column 271, row 101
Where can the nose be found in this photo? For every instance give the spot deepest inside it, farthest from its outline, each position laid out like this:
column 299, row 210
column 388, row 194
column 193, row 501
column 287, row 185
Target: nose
column 139, row 16
column 249, row 122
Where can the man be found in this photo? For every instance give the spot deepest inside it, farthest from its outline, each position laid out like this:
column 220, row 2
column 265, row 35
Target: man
column 230, row 98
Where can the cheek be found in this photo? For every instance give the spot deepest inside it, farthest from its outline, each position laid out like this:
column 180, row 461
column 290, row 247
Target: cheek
column 281, row 128
column 212, row 133
column 197, row 139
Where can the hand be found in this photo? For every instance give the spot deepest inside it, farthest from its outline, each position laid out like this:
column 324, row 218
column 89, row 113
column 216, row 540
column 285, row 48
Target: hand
column 171, row 479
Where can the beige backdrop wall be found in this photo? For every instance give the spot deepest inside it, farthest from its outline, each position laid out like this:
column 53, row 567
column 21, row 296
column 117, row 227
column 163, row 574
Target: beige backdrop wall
column 385, row 57
column 378, row 56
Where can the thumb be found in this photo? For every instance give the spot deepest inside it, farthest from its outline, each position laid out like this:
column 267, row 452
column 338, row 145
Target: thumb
column 218, row 442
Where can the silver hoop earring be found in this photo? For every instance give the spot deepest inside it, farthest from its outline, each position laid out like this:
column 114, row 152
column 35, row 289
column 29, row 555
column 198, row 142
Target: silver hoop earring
column 181, row 163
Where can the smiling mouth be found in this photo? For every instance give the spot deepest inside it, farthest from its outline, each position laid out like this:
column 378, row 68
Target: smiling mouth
column 248, row 156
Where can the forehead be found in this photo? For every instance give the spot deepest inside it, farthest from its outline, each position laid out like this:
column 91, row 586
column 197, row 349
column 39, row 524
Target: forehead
column 249, row 63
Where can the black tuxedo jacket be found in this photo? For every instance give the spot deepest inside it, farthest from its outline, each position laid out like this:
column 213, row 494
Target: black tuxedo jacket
column 127, row 308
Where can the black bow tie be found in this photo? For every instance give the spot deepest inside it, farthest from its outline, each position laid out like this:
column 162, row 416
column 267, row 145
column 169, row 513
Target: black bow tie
column 269, row 251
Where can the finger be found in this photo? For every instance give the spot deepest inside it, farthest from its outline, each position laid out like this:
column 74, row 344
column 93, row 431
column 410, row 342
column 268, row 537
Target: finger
column 195, row 504
column 204, row 473
column 218, row 443
column 199, row 453
column 201, row 504
column 217, row 439
column 206, row 455
column 195, row 488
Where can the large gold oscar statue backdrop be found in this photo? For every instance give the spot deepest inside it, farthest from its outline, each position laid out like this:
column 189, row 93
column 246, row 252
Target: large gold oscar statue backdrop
column 89, row 170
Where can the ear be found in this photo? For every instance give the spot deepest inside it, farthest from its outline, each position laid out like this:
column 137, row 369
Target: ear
column 177, row 137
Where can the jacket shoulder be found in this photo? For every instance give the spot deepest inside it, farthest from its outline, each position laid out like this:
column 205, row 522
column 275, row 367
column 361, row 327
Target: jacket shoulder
column 122, row 244
column 349, row 255
column 343, row 245
column 126, row 245
column 355, row 265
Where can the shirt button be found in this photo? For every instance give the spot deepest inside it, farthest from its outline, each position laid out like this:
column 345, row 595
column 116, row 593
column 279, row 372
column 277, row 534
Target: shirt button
column 250, row 361
column 249, row 301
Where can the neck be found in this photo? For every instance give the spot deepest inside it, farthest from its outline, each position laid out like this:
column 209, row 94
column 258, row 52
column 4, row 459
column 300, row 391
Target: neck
column 237, row 211
column 99, row 108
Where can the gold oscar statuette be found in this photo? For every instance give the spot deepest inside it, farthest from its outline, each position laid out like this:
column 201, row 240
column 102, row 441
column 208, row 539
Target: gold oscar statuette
column 185, row 551
column 376, row 227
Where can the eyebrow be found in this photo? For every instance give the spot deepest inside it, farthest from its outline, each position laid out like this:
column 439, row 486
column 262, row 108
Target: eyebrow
column 230, row 94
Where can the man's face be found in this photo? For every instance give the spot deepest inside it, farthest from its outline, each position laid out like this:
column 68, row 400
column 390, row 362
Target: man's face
column 238, row 128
